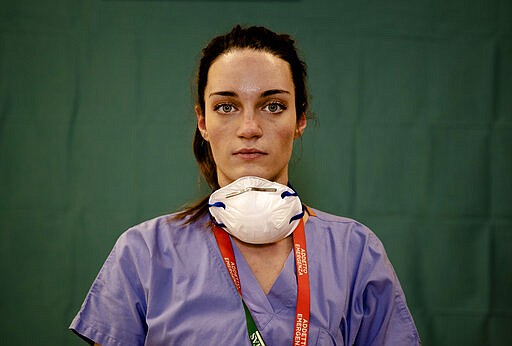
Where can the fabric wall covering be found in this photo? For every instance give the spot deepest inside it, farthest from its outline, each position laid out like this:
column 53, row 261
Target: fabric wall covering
column 414, row 139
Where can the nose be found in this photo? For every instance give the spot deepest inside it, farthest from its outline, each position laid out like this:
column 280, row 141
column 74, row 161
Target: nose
column 250, row 126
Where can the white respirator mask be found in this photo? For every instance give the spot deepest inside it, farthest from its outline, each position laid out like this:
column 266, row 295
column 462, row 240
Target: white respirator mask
column 255, row 210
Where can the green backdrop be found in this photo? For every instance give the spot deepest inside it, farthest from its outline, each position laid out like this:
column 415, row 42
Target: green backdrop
column 414, row 139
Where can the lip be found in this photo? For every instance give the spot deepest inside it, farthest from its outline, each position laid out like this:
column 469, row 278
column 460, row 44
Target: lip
column 249, row 153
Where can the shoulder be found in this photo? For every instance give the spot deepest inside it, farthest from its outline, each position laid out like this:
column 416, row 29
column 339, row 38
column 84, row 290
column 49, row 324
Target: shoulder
column 161, row 234
column 155, row 245
column 332, row 219
column 339, row 226
column 163, row 226
column 347, row 240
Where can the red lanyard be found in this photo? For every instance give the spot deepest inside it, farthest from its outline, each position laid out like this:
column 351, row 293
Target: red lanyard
column 300, row 335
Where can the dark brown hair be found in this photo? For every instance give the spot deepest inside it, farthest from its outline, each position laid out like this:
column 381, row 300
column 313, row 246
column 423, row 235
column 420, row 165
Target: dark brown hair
column 257, row 38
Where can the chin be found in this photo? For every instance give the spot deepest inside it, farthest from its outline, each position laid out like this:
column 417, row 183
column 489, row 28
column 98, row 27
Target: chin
column 254, row 173
column 280, row 177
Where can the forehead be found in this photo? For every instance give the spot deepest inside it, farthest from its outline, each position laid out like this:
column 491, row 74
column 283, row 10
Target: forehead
column 247, row 68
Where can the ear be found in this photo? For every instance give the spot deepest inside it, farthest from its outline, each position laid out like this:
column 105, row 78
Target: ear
column 201, row 123
column 301, row 125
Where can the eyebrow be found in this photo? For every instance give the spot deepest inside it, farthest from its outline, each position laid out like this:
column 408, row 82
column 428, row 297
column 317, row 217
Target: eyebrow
column 264, row 94
column 274, row 91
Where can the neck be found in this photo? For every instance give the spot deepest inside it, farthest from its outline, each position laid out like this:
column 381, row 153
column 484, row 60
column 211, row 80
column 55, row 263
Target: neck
column 265, row 248
column 266, row 260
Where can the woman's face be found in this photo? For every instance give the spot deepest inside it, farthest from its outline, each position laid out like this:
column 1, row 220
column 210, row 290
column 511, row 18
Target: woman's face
column 250, row 118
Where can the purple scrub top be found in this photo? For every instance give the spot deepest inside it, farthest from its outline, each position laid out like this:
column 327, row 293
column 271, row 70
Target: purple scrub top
column 165, row 283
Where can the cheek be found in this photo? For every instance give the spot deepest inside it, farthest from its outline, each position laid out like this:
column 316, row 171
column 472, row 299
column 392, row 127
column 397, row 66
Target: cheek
column 286, row 134
column 214, row 130
column 215, row 139
column 218, row 137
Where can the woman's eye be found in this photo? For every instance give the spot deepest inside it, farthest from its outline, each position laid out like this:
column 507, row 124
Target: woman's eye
column 224, row 108
column 275, row 107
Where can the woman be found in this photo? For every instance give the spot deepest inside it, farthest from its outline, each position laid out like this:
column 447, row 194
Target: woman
column 248, row 264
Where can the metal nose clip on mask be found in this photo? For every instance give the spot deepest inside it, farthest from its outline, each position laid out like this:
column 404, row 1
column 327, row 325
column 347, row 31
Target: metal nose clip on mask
column 255, row 210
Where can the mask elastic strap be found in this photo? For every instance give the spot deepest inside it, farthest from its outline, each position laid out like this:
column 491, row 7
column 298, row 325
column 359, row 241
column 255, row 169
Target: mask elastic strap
column 293, row 194
column 298, row 216
column 216, row 205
